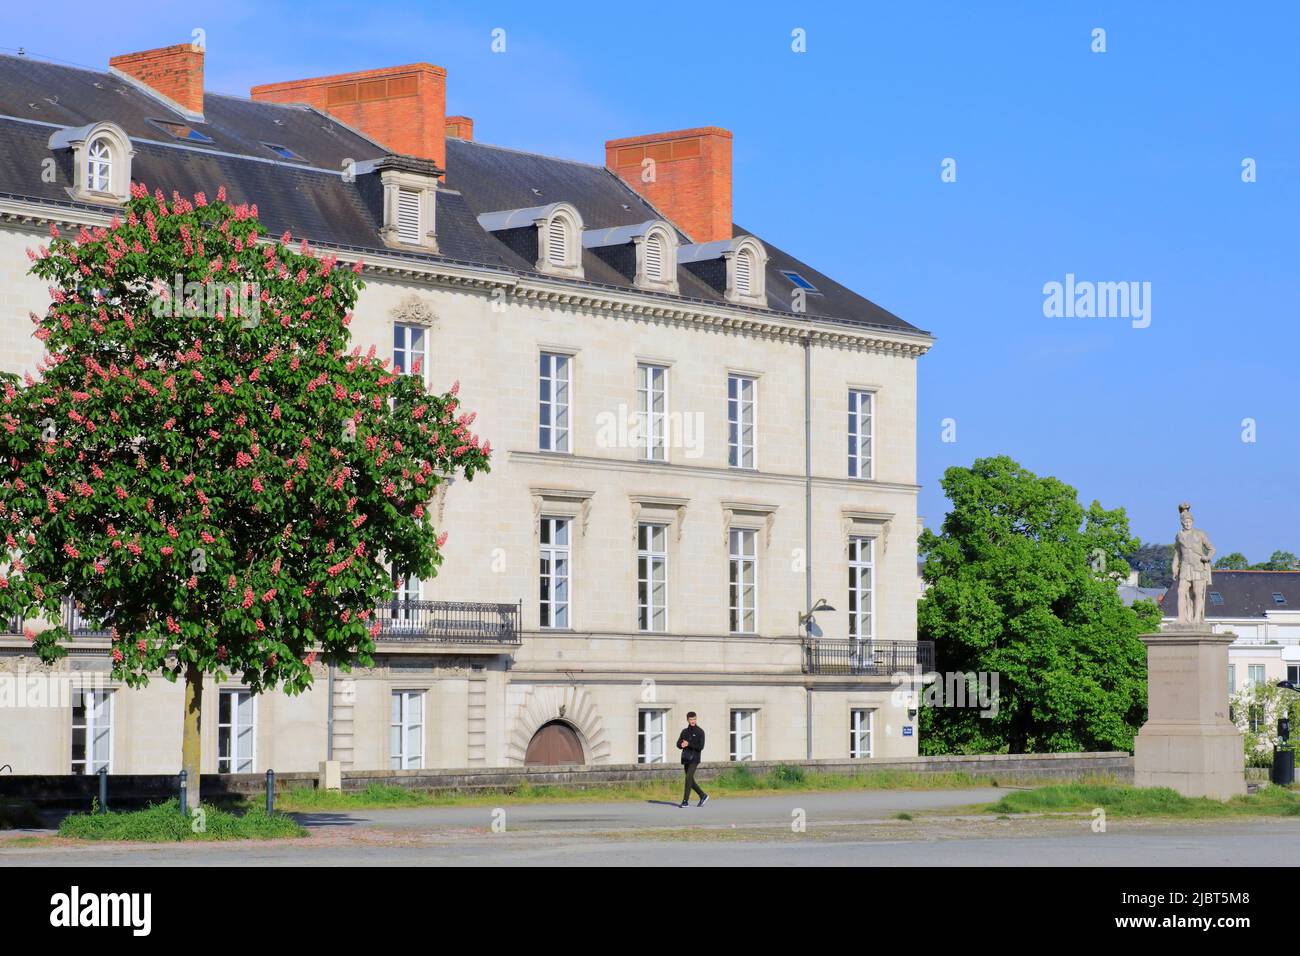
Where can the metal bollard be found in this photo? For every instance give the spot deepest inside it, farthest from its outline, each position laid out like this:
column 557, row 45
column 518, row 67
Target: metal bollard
column 184, row 800
column 270, row 791
column 103, row 789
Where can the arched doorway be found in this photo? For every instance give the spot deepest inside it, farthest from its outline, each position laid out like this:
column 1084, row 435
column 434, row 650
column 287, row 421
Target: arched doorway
column 554, row 743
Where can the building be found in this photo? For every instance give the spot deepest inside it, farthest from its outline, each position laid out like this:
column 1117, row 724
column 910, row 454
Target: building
column 1263, row 609
column 697, row 435
column 1130, row 592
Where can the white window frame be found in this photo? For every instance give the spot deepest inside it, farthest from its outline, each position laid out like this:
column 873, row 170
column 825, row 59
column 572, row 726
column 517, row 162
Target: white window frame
column 555, row 573
column 1251, row 671
column 742, row 548
column 738, row 735
column 651, row 557
column 647, row 736
column 739, row 454
column 234, row 728
column 861, row 720
column 406, row 587
column 1232, row 678
column 404, row 337
column 98, row 725
column 555, row 398
column 861, row 434
column 99, row 165
column 862, row 582
column 404, row 725
column 409, row 201
column 652, row 426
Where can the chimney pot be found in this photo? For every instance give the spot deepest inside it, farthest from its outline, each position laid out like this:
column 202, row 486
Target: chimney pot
column 460, row 127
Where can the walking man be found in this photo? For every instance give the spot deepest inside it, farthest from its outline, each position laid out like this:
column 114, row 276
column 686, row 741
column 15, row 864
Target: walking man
column 691, row 743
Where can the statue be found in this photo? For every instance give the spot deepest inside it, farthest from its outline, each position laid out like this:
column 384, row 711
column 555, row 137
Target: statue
column 1191, row 566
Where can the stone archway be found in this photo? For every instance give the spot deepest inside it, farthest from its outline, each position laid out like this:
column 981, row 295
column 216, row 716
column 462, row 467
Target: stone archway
column 554, row 744
column 570, row 706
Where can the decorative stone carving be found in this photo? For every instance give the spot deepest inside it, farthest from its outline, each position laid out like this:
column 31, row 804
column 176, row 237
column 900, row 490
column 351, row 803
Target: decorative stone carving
column 414, row 311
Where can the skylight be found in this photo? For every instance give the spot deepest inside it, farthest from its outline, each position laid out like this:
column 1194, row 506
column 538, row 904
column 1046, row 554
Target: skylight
column 1279, row 597
column 284, row 152
column 801, row 283
column 181, row 131
column 1216, row 597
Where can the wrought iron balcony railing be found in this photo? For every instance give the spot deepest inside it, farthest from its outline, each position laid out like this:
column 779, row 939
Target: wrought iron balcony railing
column 457, row 622
column 867, row 658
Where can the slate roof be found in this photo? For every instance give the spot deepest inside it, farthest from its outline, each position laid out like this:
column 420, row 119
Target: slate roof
column 1244, row 593
column 310, row 199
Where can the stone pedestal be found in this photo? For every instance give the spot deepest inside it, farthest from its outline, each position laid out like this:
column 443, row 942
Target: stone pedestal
column 1188, row 744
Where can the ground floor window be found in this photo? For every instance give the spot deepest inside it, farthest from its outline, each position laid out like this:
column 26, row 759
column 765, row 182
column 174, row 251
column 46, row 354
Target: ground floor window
column 1255, row 673
column 743, row 723
column 859, row 732
column 92, row 731
column 236, row 732
column 406, row 730
column 1293, row 673
column 651, row 737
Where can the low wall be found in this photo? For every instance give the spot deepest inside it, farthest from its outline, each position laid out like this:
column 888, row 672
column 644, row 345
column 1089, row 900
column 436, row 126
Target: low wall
column 76, row 792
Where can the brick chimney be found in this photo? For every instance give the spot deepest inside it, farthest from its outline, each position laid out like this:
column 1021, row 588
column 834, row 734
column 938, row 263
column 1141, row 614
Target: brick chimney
column 460, row 127
column 689, row 178
column 402, row 107
column 174, row 73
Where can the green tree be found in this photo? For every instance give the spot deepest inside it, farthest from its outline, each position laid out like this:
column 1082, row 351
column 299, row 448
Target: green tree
column 1021, row 584
column 1280, row 561
column 1255, row 710
column 1154, row 563
column 206, row 464
column 1232, row 562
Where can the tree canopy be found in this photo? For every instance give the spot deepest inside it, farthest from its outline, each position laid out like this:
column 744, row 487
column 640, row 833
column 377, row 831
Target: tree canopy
column 1022, row 583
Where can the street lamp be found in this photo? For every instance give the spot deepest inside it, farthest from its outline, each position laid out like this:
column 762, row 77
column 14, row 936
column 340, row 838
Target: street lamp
column 807, row 619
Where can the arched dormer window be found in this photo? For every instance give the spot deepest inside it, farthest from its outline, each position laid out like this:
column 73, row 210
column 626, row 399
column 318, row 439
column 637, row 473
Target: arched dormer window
column 101, row 161
column 747, row 272
column 657, row 258
column 654, row 258
column 560, row 240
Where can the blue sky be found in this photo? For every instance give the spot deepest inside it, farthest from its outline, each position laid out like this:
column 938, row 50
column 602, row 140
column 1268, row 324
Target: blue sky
column 1117, row 166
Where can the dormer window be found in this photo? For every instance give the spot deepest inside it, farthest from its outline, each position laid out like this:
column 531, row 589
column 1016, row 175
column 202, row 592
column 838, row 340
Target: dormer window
column 645, row 253
column 410, row 191
column 99, row 165
column 101, row 161
column 550, row 236
column 735, row 267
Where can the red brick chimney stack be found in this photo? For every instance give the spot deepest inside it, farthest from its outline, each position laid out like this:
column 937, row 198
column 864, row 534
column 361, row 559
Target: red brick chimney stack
column 686, row 174
column 460, row 127
column 404, row 108
column 173, row 72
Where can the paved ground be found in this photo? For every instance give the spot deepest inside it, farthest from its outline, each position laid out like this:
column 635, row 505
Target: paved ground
column 841, row 829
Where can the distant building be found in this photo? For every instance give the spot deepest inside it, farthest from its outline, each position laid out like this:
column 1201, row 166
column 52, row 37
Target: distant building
column 1263, row 609
column 1129, row 592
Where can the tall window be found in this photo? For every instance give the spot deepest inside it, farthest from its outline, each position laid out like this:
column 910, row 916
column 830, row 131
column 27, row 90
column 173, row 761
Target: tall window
column 652, row 401
column 403, row 611
column 652, row 577
column 554, row 572
column 1232, row 678
column 860, row 404
column 861, row 580
column 557, row 242
column 654, row 257
column 408, row 348
column 553, row 409
column 99, row 166
column 406, row 730
column 743, row 591
column 859, row 732
column 1255, row 674
column 236, row 732
column 651, row 736
column 92, row 731
column 741, row 390
column 743, row 723
column 744, row 272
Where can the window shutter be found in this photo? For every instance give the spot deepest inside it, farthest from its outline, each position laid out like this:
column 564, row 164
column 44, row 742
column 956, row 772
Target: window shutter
column 654, row 258
column 744, row 269
column 557, row 242
column 408, row 216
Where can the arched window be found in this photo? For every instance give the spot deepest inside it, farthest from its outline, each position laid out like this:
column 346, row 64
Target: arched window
column 745, row 272
column 654, row 257
column 99, row 166
column 557, row 242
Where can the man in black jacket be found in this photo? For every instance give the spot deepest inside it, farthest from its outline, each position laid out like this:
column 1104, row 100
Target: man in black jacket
column 691, row 743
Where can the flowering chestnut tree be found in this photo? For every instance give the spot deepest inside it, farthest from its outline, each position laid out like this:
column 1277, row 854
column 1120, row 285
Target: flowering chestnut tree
column 204, row 462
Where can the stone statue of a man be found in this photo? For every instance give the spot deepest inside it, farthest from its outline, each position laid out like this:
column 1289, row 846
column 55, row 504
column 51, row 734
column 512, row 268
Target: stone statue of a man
column 1191, row 566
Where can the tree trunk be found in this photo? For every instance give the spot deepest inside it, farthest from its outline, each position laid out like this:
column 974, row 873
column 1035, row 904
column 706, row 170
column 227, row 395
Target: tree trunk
column 191, row 741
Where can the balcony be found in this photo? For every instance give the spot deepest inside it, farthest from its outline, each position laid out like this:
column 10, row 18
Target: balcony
column 867, row 658
column 450, row 622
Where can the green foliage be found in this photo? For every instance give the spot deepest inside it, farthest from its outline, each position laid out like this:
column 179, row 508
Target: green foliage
column 1126, row 801
column 1255, row 711
column 1021, row 584
column 1154, row 564
column 205, row 462
column 1232, row 562
column 163, row 823
column 1278, row 561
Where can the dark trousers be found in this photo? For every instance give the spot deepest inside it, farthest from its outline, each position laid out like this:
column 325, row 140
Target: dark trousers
column 690, row 769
